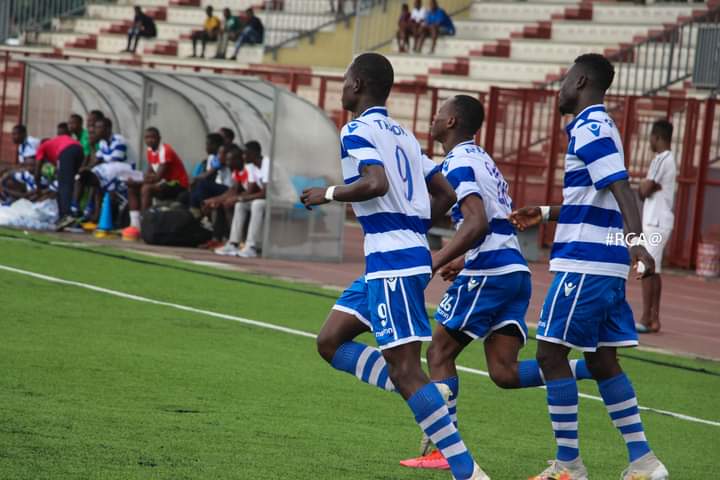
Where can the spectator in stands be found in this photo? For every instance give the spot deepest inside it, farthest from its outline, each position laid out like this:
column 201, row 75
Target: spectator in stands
column 143, row 26
column 165, row 179
column 209, row 33
column 66, row 154
column 437, row 23
column 110, row 167
column 658, row 192
column 251, row 201
column 229, row 33
column 405, row 28
column 253, row 32
column 26, row 146
column 216, row 178
column 220, row 207
column 417, row 17
column 75, row 124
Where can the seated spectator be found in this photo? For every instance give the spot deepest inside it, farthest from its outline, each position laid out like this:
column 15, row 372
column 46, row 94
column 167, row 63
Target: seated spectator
column 417, row 18
column 66, row 155
column 220, row 207
column 165, row 179
column 228, row 136
column 253, row 32
column 75, row 125
column 26, row 146
column 107, row 171
column 143, row 26
column 405, row 28
column 229, row 33
column 209, row 33
column 216, row 178
column 251, row 201
column 81, row 190
column 437, row 22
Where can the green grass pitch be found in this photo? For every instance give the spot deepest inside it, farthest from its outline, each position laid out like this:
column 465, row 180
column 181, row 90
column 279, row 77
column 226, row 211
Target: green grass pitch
column 99, row 387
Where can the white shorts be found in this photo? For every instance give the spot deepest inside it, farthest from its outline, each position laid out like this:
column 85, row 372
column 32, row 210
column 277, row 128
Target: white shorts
column 655, row 240
column 110, row 174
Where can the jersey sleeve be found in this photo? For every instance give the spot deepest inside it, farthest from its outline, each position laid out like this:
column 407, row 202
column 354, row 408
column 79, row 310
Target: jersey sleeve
column 357, row 145
column 430, row 168
column 461, row 176
column 594, row 145
column 40, row 153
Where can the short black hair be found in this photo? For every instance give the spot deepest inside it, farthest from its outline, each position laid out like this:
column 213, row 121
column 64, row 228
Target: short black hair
column 106, row 122
column 470, row 113
column 663, row 129
column 97, row 114
column 153, row 130
column 599, row 70
column 77, row 117
column 376, row 72
column 63, row 126
column 234, row 149
column 254, row 146
column 21, row 128
column 215, row 139
column 228, row 132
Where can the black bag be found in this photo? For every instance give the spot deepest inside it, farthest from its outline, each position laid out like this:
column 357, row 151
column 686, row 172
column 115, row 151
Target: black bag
column 172, row 226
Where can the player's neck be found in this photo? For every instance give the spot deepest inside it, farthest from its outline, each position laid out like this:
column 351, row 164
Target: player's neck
column 365, row 104
column 453, row 141
column 589, row 101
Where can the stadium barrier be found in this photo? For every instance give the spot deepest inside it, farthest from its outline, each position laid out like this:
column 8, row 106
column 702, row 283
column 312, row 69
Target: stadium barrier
column 523, row 132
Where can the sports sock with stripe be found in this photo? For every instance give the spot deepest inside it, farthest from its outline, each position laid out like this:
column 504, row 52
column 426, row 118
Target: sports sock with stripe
column 621, row 403
column 365, row 362
column 562, row 399
column 454, row 384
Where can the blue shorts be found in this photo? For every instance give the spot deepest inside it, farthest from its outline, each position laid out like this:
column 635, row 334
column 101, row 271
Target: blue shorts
column 392, row 308
column 586, row 311
column 480, row 305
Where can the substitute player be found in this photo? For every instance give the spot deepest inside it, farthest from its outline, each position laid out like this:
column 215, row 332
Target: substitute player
column 385, row 181
column 491, row 290
column 585, row 307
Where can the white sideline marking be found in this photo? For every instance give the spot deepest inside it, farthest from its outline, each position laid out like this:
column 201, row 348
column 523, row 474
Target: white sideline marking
column 291, row 331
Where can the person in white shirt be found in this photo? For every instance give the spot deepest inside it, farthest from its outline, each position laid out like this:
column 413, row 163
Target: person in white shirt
column 658, row 192
column 417, row 19
column 250, row 202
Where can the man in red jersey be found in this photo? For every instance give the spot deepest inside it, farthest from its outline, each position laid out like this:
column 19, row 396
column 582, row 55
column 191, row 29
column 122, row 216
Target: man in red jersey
column 164, row 179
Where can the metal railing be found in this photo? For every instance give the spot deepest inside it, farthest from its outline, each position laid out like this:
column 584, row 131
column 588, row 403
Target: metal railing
column 659, row 61
column 18, row 17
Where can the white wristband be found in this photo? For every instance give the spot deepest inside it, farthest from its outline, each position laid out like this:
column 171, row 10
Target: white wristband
column 330, row 193
column 545, row 213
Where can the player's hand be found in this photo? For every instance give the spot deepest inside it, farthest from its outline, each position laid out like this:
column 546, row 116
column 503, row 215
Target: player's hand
column 313, row 196
column 639, row 254
column 450, row 271
column 526, row 217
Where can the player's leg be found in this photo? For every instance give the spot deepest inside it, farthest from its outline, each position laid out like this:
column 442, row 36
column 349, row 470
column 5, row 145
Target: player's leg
column 335, row 342
column 441, row 355
column 617, row 391
column 400, row 323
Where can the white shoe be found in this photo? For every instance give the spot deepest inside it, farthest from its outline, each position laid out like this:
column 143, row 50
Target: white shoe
column 478, row 474
column 426, row 446
column 248, row 252
column 647, row 467
column 557, row 470
column 228, row 250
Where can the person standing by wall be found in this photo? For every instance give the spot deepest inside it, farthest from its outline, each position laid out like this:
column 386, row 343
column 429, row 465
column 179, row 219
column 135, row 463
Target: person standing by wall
column 658, row 192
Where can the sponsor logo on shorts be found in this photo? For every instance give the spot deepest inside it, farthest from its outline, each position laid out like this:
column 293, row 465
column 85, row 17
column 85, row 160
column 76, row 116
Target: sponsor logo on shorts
column 569, row 287
column 392, row 283
column 472, row 284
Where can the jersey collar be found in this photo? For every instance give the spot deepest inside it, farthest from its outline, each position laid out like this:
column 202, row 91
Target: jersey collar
column 462, row 144
column 380, row 110
column 583, row 115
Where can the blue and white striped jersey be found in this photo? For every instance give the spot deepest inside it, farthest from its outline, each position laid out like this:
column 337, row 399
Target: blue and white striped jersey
column 396, row 223
column 471, row 171
column 113, row 151
column 590, row 215
column 27, row 149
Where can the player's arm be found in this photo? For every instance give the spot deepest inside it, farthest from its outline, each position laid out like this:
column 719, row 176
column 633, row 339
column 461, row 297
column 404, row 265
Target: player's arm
column 442, row 196
column 648, row 187
column 473, row 227
column 526, row 217
column 631, row 215
column 372, row 183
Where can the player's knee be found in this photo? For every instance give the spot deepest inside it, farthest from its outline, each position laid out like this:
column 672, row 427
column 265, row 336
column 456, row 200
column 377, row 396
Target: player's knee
column 437, row 356
column 549, row 360
column 326, row 346
column 503, row 376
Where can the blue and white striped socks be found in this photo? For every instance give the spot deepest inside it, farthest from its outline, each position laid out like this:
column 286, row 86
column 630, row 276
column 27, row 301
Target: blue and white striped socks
column 366, row 363
column 562, row 398
column 454, row 384
column 621, row 403
column 431, row 414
